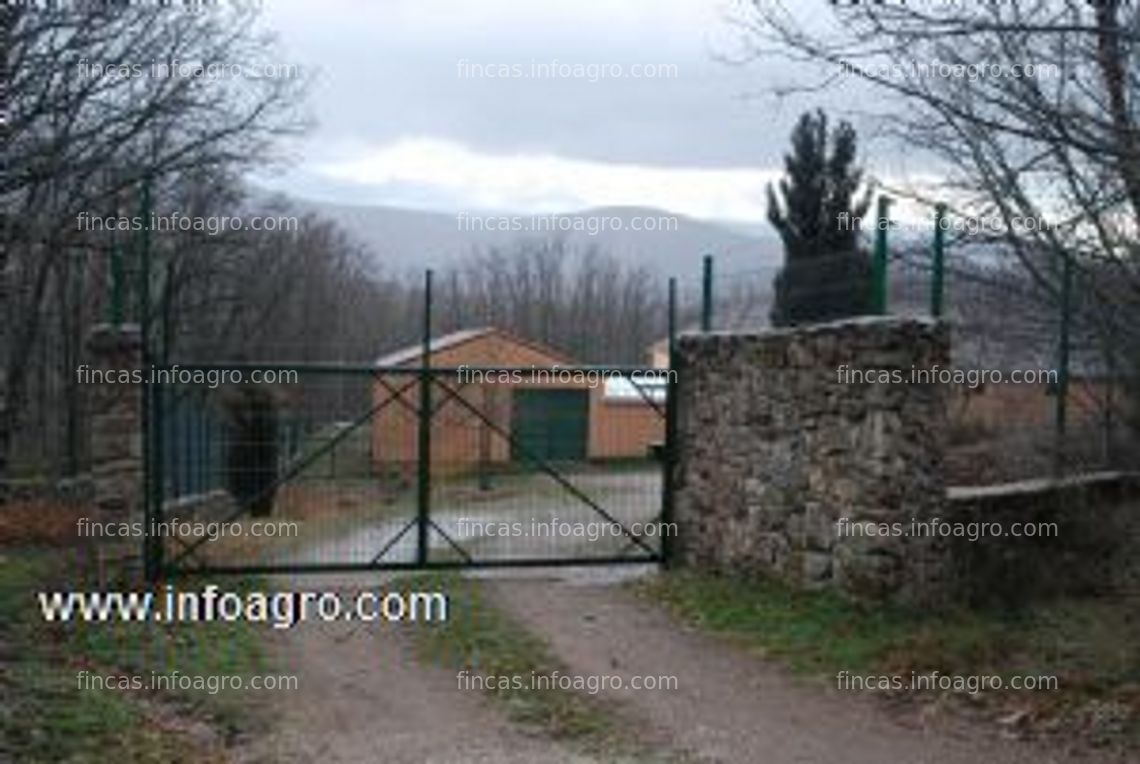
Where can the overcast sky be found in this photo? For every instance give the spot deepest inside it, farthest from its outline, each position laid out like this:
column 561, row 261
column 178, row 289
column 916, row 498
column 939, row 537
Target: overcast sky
column 408, row 116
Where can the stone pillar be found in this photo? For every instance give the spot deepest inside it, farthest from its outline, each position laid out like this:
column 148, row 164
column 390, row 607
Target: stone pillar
column 116, row 447
column 5, row 434
column 5, row 425
column 792, row 444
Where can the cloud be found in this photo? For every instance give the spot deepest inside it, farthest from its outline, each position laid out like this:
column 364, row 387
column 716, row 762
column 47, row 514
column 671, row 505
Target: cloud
column 540, row 183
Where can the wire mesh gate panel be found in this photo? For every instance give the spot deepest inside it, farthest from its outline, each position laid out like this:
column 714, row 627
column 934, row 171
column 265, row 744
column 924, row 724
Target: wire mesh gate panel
column 358, row 468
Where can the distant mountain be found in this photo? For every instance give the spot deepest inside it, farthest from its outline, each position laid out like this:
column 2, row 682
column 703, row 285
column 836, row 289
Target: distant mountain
column 406, row 239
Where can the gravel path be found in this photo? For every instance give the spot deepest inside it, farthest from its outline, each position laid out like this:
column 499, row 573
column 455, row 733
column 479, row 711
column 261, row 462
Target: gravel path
column 732, row 707
column 363, row 697
column 474, row 519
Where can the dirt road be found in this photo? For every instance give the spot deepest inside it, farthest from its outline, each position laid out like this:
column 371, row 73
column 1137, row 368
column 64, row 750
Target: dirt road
column 362, row 697
column 732, row 707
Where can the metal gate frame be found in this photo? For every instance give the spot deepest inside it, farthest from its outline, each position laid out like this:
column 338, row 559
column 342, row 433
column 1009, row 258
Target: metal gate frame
column 424, row 377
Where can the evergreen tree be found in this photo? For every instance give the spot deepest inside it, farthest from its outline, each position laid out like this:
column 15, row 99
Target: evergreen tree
column 826, row 274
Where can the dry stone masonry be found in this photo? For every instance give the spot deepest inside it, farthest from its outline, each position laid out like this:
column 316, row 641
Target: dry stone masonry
column 116, row 447
column 776, row 444
column 1086, row 542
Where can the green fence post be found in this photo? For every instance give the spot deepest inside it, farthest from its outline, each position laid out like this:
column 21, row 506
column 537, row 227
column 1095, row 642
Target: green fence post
column 143, row 306
column 116, row 274
column 667, row 541
column 152, row 508
column 706, row 294
column 937, row 278
column 1063, row 356
column 153, row 424
column 423, row 487
column 879, row 263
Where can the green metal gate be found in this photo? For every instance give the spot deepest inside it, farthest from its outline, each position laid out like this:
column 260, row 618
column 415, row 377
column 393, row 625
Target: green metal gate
column 352, row 468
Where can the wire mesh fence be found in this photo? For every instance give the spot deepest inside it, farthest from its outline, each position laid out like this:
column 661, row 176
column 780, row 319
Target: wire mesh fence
column 342, row 469
column 823, row 288
column 470, row 447
column 1044, row 378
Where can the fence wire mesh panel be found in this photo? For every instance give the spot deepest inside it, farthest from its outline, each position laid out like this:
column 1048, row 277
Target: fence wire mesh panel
column 740, row 299
column 1043, row 374
column 1046, row 366
column 823, row 287
column 344, row 468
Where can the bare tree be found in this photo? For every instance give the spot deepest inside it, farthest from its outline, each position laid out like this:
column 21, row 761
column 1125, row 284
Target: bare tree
column 1028, row 110
column 82, row 134
column 583, row 302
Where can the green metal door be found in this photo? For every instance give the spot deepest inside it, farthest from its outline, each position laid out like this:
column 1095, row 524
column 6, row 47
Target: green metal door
column 551, row 425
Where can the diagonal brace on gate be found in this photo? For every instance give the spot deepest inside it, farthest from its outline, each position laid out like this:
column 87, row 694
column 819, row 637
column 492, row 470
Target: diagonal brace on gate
column 544, row 466
column 297, row 467
column 645, row 396
column 412, row 524
column 415, row 523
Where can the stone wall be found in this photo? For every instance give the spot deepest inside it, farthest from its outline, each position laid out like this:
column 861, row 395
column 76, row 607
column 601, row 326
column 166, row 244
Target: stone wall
column 1083, row 539
column 776, row 443
column 116, row 448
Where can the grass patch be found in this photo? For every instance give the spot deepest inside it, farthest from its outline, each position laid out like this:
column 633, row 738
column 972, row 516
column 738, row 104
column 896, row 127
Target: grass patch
column 46, row 715
column 813, row 633
column 199, row 649
column 480, row 638
column 1090, row 646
